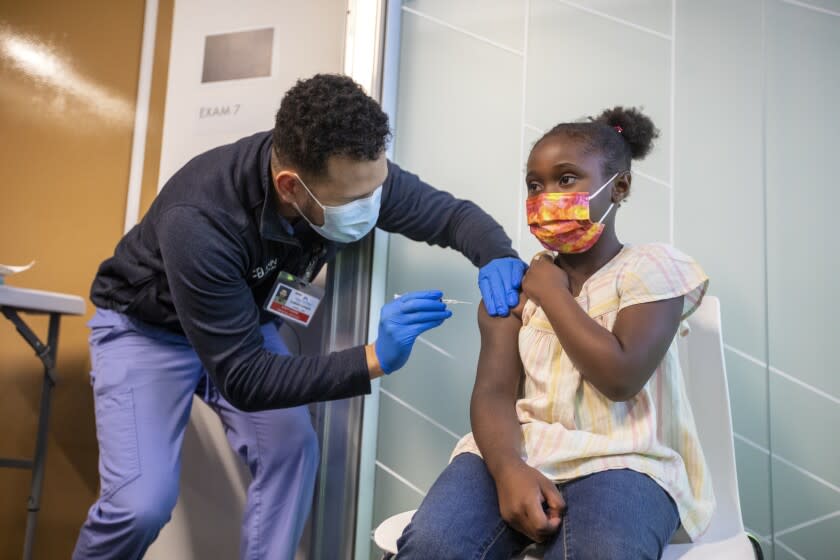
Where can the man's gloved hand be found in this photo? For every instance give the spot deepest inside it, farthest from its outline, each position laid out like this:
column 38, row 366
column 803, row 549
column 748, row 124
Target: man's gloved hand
column 402, row 321
column 500, row 281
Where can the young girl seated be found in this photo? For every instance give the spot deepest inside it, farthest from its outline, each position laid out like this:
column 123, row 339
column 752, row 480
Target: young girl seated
column 583, row 437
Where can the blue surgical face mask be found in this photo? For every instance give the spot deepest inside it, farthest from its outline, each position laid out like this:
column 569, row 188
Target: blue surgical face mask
column 349, row 222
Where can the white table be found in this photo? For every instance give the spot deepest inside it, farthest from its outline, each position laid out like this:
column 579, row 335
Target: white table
column 14, row 300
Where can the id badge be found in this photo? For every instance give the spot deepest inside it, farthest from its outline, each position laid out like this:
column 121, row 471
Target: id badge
column 293, row 299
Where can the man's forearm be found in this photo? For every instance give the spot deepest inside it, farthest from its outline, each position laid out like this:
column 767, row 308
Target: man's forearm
column 421, row 212
column 478, row 236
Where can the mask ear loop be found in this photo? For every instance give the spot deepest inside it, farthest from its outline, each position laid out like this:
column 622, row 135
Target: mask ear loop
column 607, row 213
column 604, row 186
column 300, row 210
column 596, row 193
column 318, row 202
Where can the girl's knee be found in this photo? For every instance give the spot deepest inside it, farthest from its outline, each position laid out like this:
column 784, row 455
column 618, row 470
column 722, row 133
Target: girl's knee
column 604, row 541
column 422, row 541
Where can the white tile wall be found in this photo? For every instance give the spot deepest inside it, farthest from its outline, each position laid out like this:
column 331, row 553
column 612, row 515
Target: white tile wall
column 745, row 94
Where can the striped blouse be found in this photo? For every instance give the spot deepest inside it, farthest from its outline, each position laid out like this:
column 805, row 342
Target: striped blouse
column 571, row 430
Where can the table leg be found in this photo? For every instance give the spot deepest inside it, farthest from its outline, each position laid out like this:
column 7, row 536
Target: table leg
column 39, row 461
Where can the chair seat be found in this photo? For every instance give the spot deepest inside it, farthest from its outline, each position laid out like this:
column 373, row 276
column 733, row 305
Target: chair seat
column 533, row 552
column 386, row 535
column 734, row 548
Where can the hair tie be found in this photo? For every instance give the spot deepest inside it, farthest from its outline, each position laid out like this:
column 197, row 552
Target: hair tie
column 618, row 128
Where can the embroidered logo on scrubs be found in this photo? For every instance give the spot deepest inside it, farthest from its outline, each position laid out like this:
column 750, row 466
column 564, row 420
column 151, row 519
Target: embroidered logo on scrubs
column 268, row 268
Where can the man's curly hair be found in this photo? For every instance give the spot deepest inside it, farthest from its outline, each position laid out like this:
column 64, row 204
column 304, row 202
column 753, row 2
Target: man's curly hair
column 328, row 115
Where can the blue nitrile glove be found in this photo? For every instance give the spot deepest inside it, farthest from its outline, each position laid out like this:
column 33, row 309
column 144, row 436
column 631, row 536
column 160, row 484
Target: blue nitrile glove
column 402, row 321
column 499, row 282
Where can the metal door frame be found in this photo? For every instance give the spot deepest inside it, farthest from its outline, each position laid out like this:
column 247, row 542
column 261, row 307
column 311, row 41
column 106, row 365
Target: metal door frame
column 355, row 282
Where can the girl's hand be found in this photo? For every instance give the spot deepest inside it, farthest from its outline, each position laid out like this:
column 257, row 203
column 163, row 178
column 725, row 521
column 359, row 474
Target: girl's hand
column 543, row 278
column 529, row 502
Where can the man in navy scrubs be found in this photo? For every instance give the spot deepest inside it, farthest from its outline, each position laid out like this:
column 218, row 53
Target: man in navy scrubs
column 184, row 306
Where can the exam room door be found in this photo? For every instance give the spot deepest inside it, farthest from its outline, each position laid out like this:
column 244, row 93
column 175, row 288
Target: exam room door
column 210, row 100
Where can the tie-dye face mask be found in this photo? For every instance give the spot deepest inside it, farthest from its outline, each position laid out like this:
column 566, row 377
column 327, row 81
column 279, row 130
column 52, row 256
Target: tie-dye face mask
column 560, row 221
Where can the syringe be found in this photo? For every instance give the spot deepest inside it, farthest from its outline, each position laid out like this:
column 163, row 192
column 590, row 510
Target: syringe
column 446, row 301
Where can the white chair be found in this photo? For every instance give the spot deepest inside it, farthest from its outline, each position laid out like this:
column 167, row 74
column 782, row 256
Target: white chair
column 701, row 356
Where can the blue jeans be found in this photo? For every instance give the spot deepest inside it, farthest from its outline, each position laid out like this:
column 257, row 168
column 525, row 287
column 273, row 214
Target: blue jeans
column 610, row 515
column 143, row 380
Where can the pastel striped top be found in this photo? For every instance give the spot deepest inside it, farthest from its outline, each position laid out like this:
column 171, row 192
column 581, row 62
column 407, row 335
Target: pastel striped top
column 571, row 430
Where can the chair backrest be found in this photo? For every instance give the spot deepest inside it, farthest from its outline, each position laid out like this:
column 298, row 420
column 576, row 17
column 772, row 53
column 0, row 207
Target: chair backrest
column 704, row 369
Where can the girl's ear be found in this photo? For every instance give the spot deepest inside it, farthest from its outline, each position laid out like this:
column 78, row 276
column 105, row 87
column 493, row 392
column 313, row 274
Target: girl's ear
column 621, row 188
